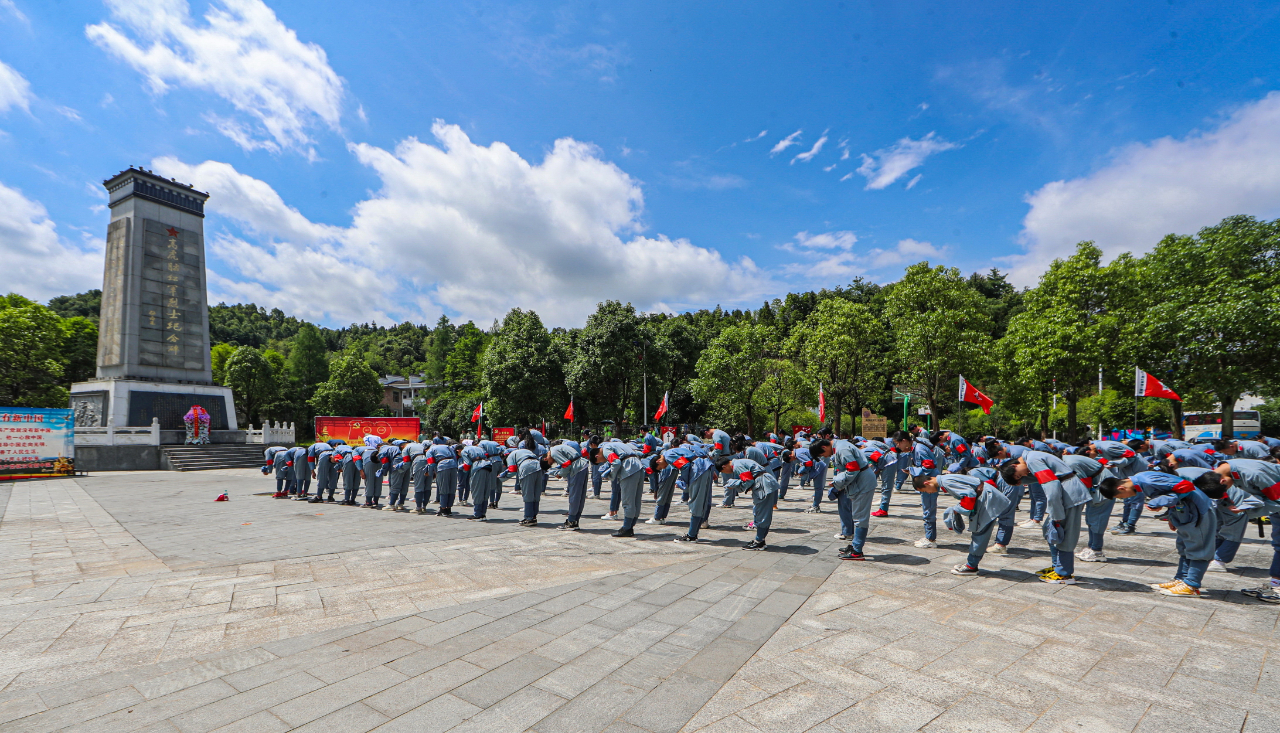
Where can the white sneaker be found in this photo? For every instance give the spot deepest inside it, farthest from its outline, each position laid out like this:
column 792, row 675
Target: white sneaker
column 1089, row 555
column 388, row 508
column 1217, row 566
column 998, row 550
column 813, row 510
column 844, row 537
column 655, row 521
column 1029, row 524
column 610, row 516
column 925, row 543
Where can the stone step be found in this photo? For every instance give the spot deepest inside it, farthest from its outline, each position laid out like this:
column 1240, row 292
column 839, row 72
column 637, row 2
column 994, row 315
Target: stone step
column 208, row 457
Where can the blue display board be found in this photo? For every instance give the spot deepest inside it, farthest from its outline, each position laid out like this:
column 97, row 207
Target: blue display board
column 36, row 442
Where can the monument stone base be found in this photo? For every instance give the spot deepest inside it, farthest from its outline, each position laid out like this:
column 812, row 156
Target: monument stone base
column 130, row 403
column 96, row 458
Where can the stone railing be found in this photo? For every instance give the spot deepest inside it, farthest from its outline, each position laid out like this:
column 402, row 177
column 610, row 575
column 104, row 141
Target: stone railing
column 119, row 436
column 271, row 434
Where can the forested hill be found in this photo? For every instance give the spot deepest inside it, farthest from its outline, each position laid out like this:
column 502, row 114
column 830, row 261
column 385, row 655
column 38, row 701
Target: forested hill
column 1200, row 312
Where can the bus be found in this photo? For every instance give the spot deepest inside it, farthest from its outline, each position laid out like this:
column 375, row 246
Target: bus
column 1201, row 427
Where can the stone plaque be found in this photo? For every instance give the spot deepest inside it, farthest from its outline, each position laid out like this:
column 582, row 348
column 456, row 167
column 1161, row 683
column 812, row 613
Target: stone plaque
column 171, row 406
column 171, row 318
column 89, row 409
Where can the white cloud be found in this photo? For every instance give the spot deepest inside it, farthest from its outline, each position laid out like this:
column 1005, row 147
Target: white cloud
column 887, row 165
column 13, row 10
column 828, row 256
column 14, row 89
column 711, row 182
column 846, row 177
column 785, row 142
column 831, row 255
column 807, row 156
column 906, row 251
column 243, row 53
column 250, row 201
column 756, row 137
column 1148, row 190
column 912, row 183
column 70, row 113
column 465, row 228
column 37, row 262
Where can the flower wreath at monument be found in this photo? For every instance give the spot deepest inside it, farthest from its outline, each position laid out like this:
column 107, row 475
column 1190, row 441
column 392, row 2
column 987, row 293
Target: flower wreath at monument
column 197, row 421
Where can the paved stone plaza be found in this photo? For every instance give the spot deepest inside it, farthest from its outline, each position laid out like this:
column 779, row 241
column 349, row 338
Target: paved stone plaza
column 133, row 602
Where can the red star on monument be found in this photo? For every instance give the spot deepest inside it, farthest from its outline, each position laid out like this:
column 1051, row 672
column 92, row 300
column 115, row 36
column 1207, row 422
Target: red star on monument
column 172, row 232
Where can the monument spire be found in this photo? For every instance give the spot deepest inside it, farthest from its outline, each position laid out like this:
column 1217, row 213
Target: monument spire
column 153, row 336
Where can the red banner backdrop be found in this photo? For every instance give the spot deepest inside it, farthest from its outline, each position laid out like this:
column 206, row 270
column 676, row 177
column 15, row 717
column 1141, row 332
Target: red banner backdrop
column 667, row 430
column 797, row 428
column 353, row 429
column 500, row 435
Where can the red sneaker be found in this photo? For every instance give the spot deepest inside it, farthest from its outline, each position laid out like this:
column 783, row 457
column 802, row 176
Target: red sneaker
column 879, row 513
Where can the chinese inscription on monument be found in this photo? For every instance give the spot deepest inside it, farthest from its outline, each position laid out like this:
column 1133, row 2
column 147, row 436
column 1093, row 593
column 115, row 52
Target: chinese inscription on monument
column 171, row 316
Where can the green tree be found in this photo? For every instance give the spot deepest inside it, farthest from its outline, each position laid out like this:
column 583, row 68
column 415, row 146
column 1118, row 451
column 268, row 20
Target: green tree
column 841, row 347
column 519, row 377
column 1070, row 327
column 80, row 348
column 1269, row 412
column 734, row 366
column 305, row 369
column 450, row 413
column 85, row 305
column 463, row 367
column 941, row 330
column 1215, row 323
column 307, row 365
column 438, row 347
column 352, row 389
column 218, row 356
column 606, row 364
column 32, row 363
column 246, row 324
column 785, row 388
column 252, row 381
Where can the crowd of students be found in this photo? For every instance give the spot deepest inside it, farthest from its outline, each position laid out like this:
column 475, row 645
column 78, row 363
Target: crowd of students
column 1207, row 492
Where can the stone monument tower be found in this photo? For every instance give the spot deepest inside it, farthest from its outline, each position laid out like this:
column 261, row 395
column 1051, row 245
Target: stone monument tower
column 153, row 336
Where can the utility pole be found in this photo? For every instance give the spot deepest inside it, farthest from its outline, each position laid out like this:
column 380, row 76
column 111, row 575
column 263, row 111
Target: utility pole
column 1055, row 407
column 1098, row 435
column 644, row 352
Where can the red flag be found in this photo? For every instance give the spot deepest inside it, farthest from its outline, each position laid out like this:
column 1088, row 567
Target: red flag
column 475, row 416
column 662, row 409
column 568, row 414
column 970, row 393
column 1145, row 385
column 822, row 405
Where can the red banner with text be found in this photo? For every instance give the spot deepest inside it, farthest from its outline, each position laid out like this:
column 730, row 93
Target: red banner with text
column 353, row 429
column 500, row 435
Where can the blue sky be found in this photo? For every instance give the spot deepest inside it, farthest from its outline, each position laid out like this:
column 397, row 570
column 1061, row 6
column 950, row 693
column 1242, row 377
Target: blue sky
column 393, row 161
